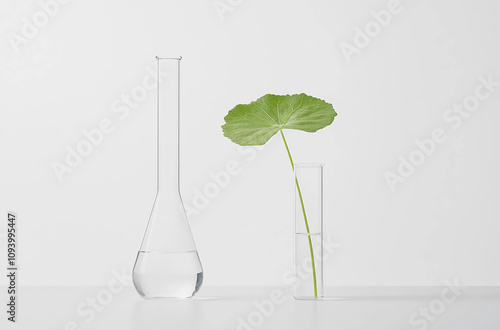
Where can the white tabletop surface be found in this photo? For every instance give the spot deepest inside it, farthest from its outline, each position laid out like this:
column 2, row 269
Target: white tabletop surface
column 221, row 308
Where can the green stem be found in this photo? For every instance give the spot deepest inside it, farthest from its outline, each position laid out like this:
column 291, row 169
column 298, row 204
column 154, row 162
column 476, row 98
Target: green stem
column 305, row 218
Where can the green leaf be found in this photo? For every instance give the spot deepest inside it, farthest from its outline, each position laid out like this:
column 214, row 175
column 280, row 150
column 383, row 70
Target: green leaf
column 255, row 123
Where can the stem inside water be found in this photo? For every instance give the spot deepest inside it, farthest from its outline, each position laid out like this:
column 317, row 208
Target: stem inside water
column 305, row 218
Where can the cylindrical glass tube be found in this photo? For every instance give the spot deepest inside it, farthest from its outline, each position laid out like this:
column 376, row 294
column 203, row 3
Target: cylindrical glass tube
column 308, row 242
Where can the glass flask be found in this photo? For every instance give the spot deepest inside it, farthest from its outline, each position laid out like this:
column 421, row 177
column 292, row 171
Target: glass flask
column 308, row 241
column 167, row 264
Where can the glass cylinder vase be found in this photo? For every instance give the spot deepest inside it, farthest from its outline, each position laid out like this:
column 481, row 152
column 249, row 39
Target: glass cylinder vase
column 167, row 265
column 308, row 240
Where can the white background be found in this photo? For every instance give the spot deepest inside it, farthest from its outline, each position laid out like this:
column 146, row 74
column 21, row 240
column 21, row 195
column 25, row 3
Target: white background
column 441, row 223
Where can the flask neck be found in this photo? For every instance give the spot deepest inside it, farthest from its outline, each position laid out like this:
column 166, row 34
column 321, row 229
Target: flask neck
column 168, row 108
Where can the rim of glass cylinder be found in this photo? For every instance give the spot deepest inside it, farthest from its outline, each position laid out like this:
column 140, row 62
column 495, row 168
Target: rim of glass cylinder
column 169, row 57
column 308, row 164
